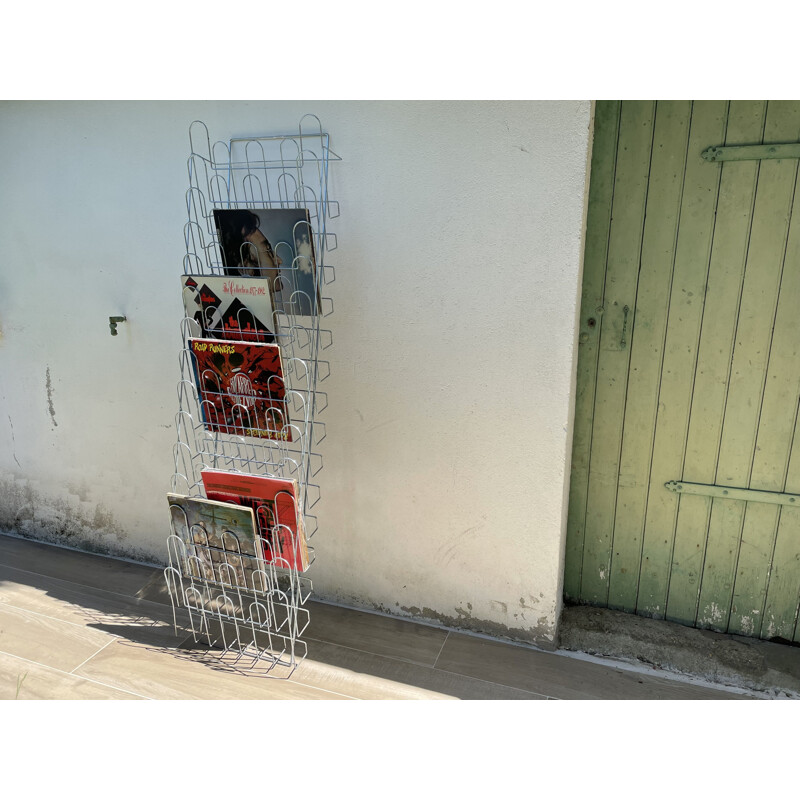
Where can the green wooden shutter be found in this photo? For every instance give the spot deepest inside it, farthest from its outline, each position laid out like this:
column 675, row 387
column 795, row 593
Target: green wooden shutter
column 688, row 369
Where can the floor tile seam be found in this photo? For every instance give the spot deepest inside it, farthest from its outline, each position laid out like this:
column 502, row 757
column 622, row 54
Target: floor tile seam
column 583, row 695
column 86, row 660
column 629, row 668
column 433, row 668
column 85, row 586
column 89, row 625
column 589, row 695
column 54, row 619
column 498, row 683
column 70, row 674
column 150, row 580
column 368, row 652
column 359, row 679
column 167, row 687
column 544, row 694
column 167, row 650
column 55, row 577
column 439, row 654
column 41, row 543
column 342, row 694
column 172, row 650
column 650, row 672
column 176, row 630
column 320, row 689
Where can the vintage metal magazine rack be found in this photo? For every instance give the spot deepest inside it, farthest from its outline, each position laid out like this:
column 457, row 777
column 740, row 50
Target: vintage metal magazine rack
column 251, row 608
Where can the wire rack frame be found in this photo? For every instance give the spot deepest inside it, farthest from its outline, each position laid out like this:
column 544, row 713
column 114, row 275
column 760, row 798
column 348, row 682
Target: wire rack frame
column 248, row 606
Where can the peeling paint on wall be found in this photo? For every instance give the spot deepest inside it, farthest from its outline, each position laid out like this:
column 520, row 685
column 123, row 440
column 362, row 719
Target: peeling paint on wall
column 500, row 606
column 542, row 634
column 66, row 520
column 711, row 617
column 748, row 623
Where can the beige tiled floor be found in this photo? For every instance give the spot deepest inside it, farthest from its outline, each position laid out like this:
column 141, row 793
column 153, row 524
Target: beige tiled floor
column 79, row 626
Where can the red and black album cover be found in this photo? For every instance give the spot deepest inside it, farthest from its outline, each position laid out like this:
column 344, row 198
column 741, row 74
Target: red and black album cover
column 238, row 309
column 240, row 388
column 274, row 502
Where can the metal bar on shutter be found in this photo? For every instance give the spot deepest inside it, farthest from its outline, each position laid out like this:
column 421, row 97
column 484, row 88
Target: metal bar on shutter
column 752, row 152
column 733, row 493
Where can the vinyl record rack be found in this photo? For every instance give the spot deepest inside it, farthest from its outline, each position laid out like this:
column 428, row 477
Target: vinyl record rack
column 242, row 599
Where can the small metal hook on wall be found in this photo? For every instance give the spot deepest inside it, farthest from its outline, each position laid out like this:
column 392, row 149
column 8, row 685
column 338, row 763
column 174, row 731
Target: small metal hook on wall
column 112, row 323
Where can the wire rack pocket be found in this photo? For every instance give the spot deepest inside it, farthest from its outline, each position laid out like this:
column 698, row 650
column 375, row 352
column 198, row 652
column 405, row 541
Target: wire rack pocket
column 249, row 396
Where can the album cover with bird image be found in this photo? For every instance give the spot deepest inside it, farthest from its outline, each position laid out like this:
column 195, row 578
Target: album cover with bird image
column 240, row 388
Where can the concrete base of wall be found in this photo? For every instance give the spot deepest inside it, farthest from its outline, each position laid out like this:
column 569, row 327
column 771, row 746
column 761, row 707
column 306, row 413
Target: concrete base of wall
column 717, row 657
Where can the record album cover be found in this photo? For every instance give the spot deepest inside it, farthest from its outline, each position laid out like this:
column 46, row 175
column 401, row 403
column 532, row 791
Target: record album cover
column 277, row 512
column 240, row 388
column 276, row 244
column 220, row 539
column 229, row 308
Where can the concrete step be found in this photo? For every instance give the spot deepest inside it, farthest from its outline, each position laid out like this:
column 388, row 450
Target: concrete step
column 720, row 658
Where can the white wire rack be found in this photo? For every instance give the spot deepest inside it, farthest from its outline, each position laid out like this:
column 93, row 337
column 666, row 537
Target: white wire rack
column 248, row 606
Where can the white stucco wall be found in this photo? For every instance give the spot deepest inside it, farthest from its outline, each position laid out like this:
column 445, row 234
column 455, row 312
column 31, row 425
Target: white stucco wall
column 456, row 294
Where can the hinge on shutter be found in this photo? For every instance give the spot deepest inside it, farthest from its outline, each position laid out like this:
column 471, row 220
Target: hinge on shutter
column 752, row 152
column 732, row 493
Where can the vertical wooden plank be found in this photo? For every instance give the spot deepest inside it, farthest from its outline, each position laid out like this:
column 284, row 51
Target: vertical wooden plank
column 783, row 591
column 601, row 192
column 692, row 254
column 647, row 323
column 721, row 301
column 777, row 423
column 782, row 608
column 778, row 412
column 630, row 189
column 774, row 194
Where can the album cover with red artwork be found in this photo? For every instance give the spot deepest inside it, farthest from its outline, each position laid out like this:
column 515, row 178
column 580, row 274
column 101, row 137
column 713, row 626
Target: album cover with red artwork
column 239, row 309
column 240, row 388
column 277, row 512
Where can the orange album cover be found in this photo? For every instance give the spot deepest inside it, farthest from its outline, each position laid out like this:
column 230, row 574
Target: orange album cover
column 277, row 512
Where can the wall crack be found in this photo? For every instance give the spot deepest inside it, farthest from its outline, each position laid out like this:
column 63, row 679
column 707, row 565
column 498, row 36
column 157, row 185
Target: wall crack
column 50, row 407
column 13, row 442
